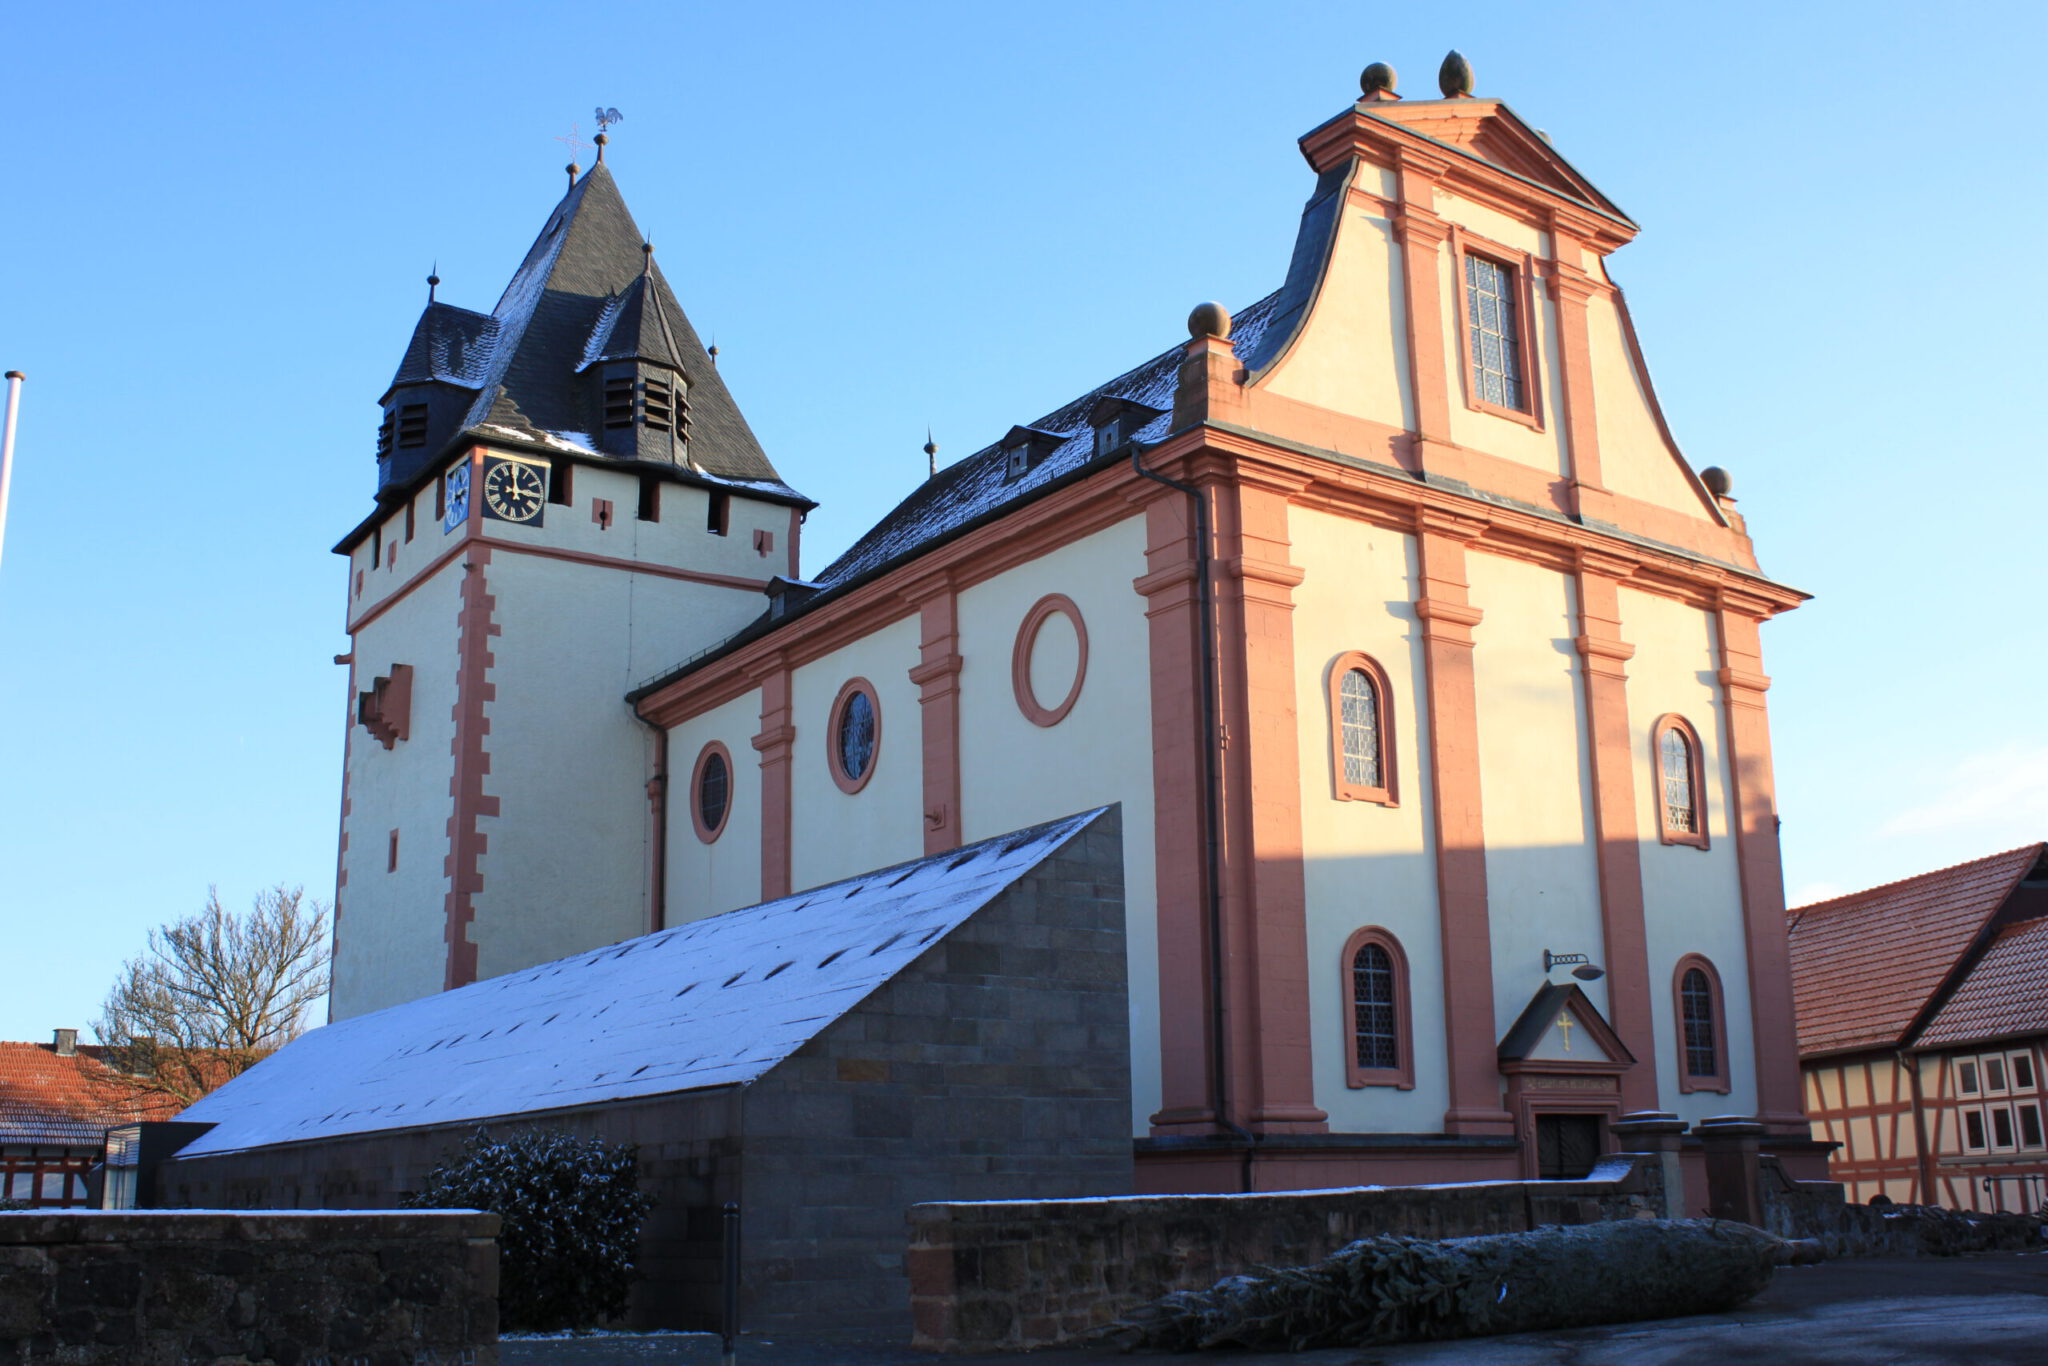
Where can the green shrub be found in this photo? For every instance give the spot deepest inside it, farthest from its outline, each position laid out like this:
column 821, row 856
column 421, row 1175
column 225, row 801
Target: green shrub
column 571, row 1213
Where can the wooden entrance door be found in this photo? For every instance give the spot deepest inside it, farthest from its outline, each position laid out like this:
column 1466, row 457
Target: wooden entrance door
column 1567, row 1146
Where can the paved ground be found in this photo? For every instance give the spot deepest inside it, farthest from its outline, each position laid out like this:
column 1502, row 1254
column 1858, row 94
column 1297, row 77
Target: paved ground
column 1965, row 1311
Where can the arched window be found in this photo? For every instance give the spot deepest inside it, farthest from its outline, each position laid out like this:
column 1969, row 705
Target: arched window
column 1702, row 1028
column 853, row 736
column 1680, row 782
column 1377, row 1046
column 1361, row 730
column 711, row 791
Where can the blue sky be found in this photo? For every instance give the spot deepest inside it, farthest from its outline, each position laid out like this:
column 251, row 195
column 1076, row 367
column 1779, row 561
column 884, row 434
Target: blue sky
column 220, row 216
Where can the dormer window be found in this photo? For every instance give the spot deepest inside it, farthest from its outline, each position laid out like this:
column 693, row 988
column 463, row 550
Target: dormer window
column 1116, row 421
column 1025, row 447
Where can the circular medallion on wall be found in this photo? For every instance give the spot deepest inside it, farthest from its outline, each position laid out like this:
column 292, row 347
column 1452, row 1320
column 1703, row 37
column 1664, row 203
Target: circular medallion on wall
column 711, row 791
column 853, row 736
column 1050, row 660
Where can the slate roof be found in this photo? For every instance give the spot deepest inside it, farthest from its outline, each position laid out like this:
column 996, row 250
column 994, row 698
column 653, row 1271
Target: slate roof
column 584, row 286
column 1866, row 966
column 980, row 484
column 449, row 345
column 715, row 1002
column 2006, row 993
column 45, row 1098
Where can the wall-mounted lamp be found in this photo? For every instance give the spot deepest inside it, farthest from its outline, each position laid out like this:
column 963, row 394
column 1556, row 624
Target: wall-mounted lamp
column 1582, row 966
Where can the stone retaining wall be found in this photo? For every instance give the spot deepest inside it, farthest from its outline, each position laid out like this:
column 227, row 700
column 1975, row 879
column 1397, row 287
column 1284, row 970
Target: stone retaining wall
column 160, row 1288
column 1012, row 1275
column 1819, row 1210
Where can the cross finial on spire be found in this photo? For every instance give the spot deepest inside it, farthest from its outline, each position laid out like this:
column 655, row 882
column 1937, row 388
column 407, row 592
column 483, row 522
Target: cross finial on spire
column 433, row 280
column 931, row 453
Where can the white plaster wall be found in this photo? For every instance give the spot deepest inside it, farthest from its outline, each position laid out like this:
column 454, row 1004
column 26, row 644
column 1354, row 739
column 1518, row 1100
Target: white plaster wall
column 1692, row 898
column 704, row 879
column 834, row 834
column 1486, row 432
column 388, row 944
column 679, row 539
column 1366, row 864
column 387, row 576
column 1352, row 355
column 1542, row 877
column 567, row 863
column 1015, row 774
column 1634, row 459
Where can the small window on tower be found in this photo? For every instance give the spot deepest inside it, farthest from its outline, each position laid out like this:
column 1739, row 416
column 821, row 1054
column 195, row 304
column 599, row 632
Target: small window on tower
column 650, row 498
column 560, row 468
column 387, row 432
column 718, row 516
column 412, row 425
column 411, row 505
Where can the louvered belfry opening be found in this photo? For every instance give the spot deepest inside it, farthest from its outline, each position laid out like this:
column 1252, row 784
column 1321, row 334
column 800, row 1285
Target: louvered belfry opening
column 412, row 424
column 646, row 411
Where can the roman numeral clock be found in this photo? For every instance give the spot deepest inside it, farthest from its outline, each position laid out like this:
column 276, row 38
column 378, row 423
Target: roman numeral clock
column 512, row 490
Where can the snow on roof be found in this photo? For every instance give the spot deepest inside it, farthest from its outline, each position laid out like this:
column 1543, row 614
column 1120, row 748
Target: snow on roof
column 715, row 1002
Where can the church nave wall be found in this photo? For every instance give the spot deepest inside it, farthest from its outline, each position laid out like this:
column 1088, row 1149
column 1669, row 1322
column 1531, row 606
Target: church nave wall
column 1366, row 864
column 833, row 833
column 1015, row 773
column 1692, row 897
column 1542, row 879
column 704, row 877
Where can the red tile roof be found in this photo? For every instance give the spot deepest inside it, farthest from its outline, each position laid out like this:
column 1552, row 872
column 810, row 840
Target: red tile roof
column 1864, row 965
column 45, row 1098
column 2006, row 993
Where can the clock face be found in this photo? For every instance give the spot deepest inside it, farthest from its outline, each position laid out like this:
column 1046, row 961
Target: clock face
column 514, row 491
column 456, row 504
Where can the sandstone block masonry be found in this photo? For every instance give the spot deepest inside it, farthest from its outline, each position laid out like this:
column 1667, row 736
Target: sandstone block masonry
column 1010, row 1275
column 161, row 1288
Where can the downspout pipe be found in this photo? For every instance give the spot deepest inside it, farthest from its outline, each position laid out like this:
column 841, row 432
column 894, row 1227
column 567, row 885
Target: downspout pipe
column 1212, row 791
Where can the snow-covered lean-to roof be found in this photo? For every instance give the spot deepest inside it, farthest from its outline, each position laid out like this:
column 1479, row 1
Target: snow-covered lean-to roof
column 714, row 1002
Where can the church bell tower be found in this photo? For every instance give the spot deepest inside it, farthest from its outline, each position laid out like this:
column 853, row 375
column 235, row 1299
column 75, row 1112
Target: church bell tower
column 568, row 500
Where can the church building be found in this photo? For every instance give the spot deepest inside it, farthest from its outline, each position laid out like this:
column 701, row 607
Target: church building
column 1423, row 668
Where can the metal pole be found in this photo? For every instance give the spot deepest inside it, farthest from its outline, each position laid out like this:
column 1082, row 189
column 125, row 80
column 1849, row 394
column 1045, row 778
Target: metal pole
column 14, row 379
column 731, row 1326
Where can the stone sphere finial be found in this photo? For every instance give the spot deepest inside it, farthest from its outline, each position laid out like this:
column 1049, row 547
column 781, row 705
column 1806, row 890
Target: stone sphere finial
column 1209, row 320
column 1717, row 480
column 1454, row 77
column 1377, row 78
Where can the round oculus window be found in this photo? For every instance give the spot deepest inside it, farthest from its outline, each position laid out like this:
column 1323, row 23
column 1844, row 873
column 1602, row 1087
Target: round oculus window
column 856, row 737
column 713, row 792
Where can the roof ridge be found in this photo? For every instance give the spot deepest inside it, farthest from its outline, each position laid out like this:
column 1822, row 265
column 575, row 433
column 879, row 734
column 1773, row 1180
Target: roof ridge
column 1798, row 913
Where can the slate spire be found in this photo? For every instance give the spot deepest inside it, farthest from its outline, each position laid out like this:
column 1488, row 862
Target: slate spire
column 585, row 293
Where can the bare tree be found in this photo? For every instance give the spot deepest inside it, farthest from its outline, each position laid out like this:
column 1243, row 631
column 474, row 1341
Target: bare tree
column 214, row 994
